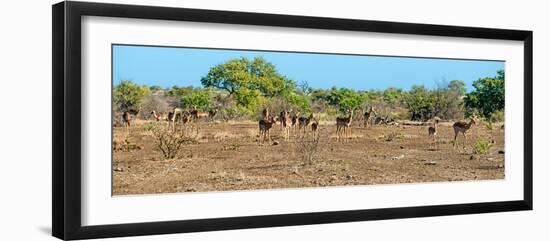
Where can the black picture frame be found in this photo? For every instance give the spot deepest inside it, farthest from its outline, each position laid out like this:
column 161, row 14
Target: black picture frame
column 66, row 127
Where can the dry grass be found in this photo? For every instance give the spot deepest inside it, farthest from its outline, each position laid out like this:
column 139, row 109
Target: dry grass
column 228, row 156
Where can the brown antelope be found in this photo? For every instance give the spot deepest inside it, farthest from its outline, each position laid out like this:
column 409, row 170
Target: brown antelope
column 462, row 127
column 195, row 114
column 342, row 125
column 294, row 121
column 170, row 117
column 369, row 116
column 212, row 113
column 174, row 116
column 286, row 121
column 432, row 132
column 265, row 129
column 284, row 118
column 315, row 130
column 127, row 118
column 265, row 113
column 160, row 116
column 303, row 122
column 198, row 114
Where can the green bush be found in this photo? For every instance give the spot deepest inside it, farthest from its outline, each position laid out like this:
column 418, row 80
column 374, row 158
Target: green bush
column 237, row 113
column 128, row 94
column 394, row 135
column 483, row 146
column 488, row 96
column 497, row 116
column 199, row 99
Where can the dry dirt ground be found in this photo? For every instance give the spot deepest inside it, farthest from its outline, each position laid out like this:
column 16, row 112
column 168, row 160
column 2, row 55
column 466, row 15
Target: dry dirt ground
column 228, row 156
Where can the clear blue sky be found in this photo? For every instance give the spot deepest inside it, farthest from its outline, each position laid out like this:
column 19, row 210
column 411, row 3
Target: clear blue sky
column 169, row 66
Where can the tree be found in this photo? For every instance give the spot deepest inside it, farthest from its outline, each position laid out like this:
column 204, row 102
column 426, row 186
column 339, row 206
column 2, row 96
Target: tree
column 248, row 81
column 199, row 99
column 420, row 103
column 305, row 88
column 155, row 88
column 128, row 94
column 346, row 99
column 448, row 99
column 248, row 98
column 177, row 91
column 488, row 96
column 243, row 73
column 393, row 96
column 299, row 101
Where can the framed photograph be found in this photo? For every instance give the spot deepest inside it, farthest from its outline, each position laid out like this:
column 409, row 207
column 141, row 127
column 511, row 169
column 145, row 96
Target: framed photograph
column 172, row 120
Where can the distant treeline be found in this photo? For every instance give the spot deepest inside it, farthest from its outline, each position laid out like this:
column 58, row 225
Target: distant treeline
column 240, row 88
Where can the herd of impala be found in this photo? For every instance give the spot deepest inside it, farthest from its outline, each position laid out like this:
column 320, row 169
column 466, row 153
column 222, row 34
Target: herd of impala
column 295, row 122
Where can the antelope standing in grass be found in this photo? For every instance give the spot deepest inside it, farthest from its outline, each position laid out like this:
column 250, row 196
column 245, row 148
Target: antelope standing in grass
column 342, row 125
column 265, row 113
column 303, row 122
column 462, row 127
column 212, row 113
column 432, row 132
column 294, row 121
column 195, row 114
column 369, row 116
column 177, row 115
column 315, row 130
column 127, row 118
column 159, row 116
column 284, row 118
column 265, row 129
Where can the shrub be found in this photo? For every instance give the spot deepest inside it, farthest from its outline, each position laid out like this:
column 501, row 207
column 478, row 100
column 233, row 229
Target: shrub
column 236, row 113
column 128, row 94
column 483, row 146
column 488, row 96
column 199, row 99
column 497, row 116
column 394, row 135
column 170, row 142
column 308, row 149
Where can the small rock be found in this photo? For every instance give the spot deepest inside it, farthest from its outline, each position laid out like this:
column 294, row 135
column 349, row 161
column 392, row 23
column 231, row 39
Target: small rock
column 402, row 147
column 349, row 177
column 490, row 159
column 275, row 143
column 501, row 152
column 119, row 169
column 472, row 157
column 430, row 163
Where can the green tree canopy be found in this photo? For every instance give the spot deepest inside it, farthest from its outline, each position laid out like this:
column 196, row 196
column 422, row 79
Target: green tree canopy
column 300, row 101
column 244, row 73
column 199, row 99
column 420, row 102
column 346, row 99
column 128, row 94
column 488, row 96
column 180, row 91
column 448, row 99
column 249, row 81
column 393, row 96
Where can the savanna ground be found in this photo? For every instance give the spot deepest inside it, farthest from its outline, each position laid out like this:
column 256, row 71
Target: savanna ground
column 228, row 156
